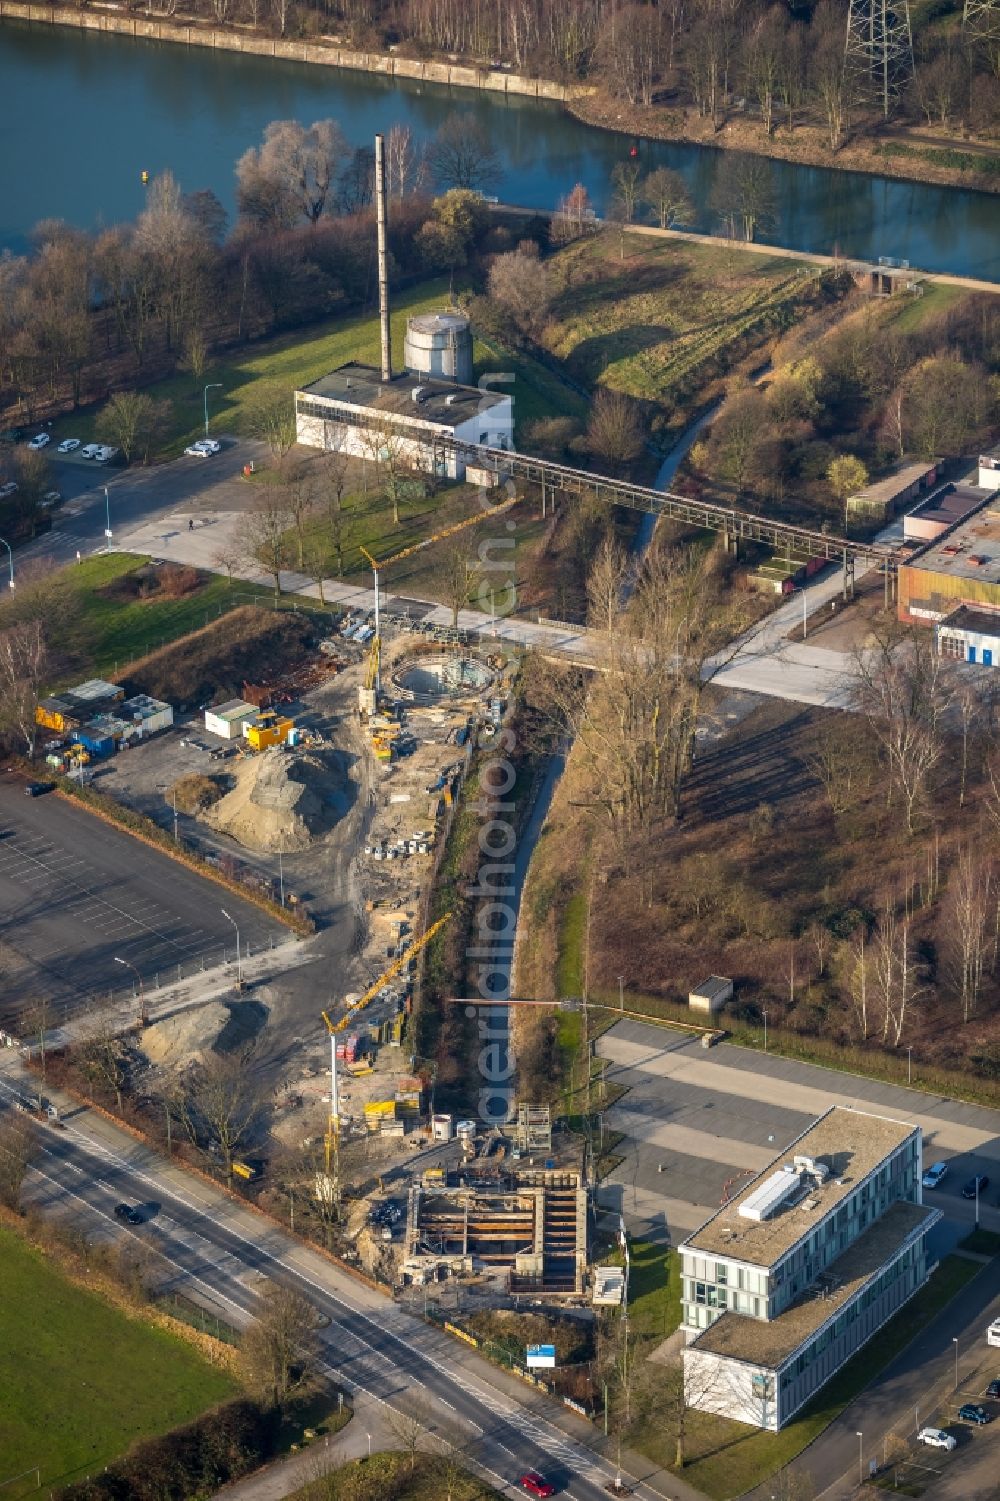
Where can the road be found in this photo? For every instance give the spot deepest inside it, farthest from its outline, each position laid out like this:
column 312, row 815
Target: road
column 219, row 1250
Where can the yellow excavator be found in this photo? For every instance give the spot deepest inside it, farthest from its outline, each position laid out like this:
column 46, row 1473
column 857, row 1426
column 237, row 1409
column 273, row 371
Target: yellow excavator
column 335, row 1028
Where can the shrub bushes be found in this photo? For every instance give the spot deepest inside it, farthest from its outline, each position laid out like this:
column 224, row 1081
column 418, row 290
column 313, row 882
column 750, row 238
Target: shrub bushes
column 195, row 1460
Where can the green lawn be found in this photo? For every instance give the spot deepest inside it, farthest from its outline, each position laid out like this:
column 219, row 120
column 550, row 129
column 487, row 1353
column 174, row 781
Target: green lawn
column 654, row 1290
column 296, row 359
column 98, row 629
column 729, row 1458
column 79, row 1381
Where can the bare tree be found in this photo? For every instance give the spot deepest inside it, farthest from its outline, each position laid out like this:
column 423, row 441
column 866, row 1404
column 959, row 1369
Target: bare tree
column 840, row 759
column 102, row 1054
column 228, row 556
column 606, row 585
column 462, row 155
column 293, row 172
column 279, row 1350
column 18, row 1146
column 389, row 450
column 405, row 163
column 270, row 417
column 24, row 666
column 299, row 491
column 969, row 905
column 460, row 573
column 763, row 61
column 410, row 1432
column 625, row 181
column 522, row 286
column 665, row 192
column 221, row 1104
column 574, row 216
column 901, row 690
column 132, row 421
column 893, row 976
column 614, row 435
column 265, row 534
column 743, row 194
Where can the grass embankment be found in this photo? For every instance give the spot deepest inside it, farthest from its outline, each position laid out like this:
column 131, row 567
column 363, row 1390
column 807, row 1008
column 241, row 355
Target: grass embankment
column 79, row 1380
column 726, row 1459
column 666, row 321
column 982, row 1242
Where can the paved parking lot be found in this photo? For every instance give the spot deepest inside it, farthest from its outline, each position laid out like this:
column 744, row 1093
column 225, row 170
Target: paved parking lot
column 697, row 1123
column 76, row 894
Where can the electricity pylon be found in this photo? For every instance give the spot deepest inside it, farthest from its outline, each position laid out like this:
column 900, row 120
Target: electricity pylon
column 879, row 47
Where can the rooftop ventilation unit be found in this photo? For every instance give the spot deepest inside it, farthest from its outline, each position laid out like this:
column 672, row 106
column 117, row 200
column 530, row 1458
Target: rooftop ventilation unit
column 817, row 1170
column 772, row 1194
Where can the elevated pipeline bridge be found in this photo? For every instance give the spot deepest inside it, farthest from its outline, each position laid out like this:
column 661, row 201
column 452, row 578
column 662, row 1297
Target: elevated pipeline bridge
column 733, row 525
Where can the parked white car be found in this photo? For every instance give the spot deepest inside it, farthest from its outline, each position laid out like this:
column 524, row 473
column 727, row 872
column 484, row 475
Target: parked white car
column 203, row 448
column 90, row 450
column 936, row 1438
column 105, row 454
column 68, row 445
column 933, row 1175
column 10, row 488
column 41, row 440
column 993, row 1333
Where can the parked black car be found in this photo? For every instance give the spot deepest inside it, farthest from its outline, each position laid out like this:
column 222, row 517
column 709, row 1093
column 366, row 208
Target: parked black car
column 979, row 1183
column 39, row 789
column 126, row 1213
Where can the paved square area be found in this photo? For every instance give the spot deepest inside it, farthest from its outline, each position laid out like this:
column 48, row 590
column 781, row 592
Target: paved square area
column 76, row 894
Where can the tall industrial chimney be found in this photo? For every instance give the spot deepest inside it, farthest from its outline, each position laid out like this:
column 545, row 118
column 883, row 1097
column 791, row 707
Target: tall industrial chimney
column 383, row 264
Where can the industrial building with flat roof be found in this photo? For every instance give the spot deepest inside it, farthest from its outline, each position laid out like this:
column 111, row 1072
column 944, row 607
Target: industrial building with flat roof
column 883, row 497
column 961, row 567
column 352, row 410
column 786, row 1281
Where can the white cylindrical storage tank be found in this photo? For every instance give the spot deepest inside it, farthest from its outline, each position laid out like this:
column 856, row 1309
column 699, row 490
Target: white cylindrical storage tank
column 466, row 1131
column 439, row 344
column 441, row 1127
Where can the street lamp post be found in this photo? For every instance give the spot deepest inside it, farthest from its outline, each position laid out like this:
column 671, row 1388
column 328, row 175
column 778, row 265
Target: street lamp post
column 107, row 520
column 10, row 560
column 239, row 960
column 909, row 1065
column 369, row 1438
column 861, row 1458
column 215, row 385
column 621, row 992
column 143, row 1018
column 955, row 1343
column 764, row 1014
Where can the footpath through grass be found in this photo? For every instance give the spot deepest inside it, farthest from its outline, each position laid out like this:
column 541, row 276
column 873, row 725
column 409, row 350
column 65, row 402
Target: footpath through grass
column 79, row 1381
column 727, row 1458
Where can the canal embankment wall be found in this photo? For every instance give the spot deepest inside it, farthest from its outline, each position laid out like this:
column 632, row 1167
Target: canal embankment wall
column 326, row 51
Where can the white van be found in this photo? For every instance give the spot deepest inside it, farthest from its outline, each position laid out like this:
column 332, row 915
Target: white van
column 993, row 1333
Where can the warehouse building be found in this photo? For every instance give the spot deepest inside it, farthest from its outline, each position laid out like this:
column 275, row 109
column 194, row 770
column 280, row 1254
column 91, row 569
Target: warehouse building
column 961, row 567
column 884, row 497
column 790, row 1278
column 65, row 711
column 943, row 509
column 354, row 411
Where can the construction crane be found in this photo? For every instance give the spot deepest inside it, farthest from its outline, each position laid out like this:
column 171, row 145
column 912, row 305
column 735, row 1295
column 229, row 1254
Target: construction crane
column 373, row 684
column 335, row 1028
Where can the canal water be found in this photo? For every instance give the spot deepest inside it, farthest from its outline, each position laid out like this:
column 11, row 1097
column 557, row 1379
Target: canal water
column 84, row 115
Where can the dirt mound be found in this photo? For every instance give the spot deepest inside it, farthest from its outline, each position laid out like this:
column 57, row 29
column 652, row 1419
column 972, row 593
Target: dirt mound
column 282, row 800
column 247, row 644
column 179, row 1039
